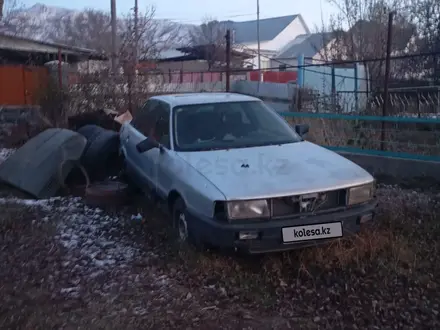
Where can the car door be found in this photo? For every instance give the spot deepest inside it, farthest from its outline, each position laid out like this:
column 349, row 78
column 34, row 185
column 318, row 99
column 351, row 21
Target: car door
column 141, row 166
column 164, row 161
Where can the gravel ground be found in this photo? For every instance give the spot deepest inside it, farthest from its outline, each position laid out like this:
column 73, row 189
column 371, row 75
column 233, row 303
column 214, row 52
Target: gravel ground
column 68, row 266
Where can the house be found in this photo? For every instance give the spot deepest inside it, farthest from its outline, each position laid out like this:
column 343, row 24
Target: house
column 315, row 47
column 194, row 59
column 18, row 50
column 275, row 34
column 25, row 66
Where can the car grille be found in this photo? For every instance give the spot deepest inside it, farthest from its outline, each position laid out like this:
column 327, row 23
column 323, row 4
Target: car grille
column 308, row 203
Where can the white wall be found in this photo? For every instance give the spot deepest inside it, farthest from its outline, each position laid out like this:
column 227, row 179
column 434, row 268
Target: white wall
column 254, row 45
column 265, row 59
column 293, row 30
column 290, row 62
column 275, row 63
column 329, row 52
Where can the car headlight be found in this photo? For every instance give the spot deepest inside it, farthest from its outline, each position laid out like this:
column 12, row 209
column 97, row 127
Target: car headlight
column 361, row 194
column 248, row 209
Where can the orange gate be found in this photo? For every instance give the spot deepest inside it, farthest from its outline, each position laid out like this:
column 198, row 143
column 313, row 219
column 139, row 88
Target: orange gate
column 21, row 85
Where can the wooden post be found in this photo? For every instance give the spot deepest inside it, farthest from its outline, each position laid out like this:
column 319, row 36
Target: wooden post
column 228, row 60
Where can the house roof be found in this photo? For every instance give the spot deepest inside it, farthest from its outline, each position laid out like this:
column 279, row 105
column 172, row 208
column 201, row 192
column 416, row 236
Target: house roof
column 23, row 46
column 198, row 53
column 305, row 44
column 269, row 28
column 202, row 49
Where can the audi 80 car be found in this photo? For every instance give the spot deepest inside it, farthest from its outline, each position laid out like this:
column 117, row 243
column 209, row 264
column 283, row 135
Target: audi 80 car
column 234, row 174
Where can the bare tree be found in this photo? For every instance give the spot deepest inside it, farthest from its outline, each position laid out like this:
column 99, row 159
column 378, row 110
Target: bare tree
column 14, row 22
column 426, row 16
column 92, row 29
column 360, row 33
column 153, row 35
column 210, row 37
column 88, row 29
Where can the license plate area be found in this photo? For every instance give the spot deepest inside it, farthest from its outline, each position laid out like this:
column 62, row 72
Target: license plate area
column 312, row 232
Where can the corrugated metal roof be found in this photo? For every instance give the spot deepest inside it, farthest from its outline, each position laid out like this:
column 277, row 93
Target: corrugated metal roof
column 9, row 42
column 306, row 44
column 170, row 53
column 269, row 28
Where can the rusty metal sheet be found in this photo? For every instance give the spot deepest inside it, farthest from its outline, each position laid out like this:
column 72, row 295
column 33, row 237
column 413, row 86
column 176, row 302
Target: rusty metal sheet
column 41, row 165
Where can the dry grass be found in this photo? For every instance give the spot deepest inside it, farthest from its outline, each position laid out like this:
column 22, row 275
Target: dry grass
column 411, row 138
column 385, row 277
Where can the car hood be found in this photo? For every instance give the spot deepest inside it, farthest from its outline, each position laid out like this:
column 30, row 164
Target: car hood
column 279, row 170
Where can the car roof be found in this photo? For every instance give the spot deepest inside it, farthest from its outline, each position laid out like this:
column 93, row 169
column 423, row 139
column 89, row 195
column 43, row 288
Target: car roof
column 202, row 98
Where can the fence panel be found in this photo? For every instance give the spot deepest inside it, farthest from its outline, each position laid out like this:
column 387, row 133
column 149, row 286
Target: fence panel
column 12, row 90
column 402, row 137
column 21, row 85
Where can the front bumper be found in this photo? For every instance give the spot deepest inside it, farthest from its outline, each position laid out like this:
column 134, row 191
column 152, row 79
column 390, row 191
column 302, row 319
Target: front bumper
column 270, row 238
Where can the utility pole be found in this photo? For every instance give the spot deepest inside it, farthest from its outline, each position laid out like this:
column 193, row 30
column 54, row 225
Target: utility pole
column 113, row 27
column 387, row 77
column 136, row 31
column 135, row 61
column 258, row 40
column 228, row 60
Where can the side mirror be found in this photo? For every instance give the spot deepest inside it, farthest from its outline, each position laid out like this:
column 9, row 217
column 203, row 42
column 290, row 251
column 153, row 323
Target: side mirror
column 147, row 144
column 302, row 129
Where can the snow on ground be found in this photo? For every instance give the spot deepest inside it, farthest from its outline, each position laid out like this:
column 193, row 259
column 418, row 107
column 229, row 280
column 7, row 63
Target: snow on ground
column 5, row 153
column 95, row 243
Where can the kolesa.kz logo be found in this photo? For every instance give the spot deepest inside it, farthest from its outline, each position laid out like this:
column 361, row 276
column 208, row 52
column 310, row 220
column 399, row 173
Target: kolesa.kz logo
column 311, row 232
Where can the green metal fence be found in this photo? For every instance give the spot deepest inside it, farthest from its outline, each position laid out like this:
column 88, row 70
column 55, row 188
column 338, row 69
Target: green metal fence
column 399, row 137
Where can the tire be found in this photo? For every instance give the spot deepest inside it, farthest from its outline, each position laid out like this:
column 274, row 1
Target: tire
column 90, row 132
column 134, row 189
column 102, row 155
column 182, row 229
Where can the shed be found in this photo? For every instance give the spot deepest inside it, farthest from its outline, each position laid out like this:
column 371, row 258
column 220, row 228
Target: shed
column 22, row 71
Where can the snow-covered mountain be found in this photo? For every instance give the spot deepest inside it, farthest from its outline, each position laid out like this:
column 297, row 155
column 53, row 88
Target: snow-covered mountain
column 39, row 21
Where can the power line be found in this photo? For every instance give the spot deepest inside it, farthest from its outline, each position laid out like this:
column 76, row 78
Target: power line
column 302, row 66
column 377, row 59
column 333, row 63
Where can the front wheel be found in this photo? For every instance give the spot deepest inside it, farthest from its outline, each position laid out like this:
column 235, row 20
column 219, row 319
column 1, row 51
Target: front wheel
column 181, row 227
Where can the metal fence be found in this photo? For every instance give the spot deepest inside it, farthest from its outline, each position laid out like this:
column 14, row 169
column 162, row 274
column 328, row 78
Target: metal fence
column 390, row 136
column 405, row 123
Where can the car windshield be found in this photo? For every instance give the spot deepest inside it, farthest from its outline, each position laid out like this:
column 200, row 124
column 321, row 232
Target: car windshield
column 199, row 127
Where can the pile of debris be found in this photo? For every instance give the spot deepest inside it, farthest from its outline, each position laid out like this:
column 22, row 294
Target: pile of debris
column 84, row 160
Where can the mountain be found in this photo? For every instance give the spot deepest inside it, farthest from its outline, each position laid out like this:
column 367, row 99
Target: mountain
column 42, row 22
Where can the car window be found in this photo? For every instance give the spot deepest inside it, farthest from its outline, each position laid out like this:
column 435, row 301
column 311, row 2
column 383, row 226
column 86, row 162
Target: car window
column 161, row 131
column 234, row 110
column 143, row 120
column 229, row 125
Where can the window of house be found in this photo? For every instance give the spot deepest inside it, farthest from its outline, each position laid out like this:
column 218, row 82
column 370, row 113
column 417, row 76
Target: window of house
column 282, row 67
